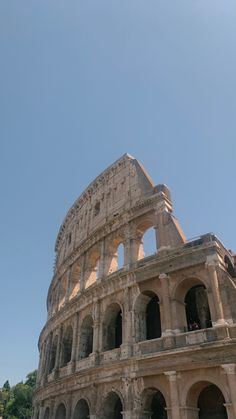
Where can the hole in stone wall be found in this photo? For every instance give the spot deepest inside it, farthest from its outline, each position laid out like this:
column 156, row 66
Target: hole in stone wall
column 153, row 321
column 97, row 209
column 53, row 354
column 61, row 412
column 112, row 328
column 86, row 338
column 211, row 403
column 47, row 414
column 67, row 346
column 120, row 256
column 149, row 242
column 81, row 410
column 197, row 308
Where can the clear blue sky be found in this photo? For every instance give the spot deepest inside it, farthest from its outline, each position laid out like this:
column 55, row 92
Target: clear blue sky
column 82, row 82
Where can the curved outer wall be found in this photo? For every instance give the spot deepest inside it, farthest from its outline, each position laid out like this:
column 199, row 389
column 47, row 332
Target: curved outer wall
column 155, row 336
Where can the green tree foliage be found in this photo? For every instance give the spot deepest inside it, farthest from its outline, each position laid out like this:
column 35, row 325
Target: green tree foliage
column 31, row 379
column 16, row 402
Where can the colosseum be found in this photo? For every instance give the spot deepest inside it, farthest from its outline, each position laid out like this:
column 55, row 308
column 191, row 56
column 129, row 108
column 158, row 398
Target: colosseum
column 134, row 335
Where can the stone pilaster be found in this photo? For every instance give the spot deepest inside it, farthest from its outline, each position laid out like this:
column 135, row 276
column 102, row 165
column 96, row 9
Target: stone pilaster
column 211, row 266
column 231, row 378
column 75, row 338
column 166, row 312
column 102, row 261
column 174, row 394
column 126, row 326
column 96, row 327
column 59, row 346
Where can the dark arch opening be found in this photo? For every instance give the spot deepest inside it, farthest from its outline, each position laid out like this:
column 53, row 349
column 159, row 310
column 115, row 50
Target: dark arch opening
column 149, row 242
column 118, row 410
column 47, row 414
column 153, row 319
column 61, row 412
column 113, row 407
column 67, row 346
column 53, row 354
column 118, row 330
column 197, row 308
column 81, row 410
column 211, row 403
column 154, row 403
column 86, row 338
column 113, row 328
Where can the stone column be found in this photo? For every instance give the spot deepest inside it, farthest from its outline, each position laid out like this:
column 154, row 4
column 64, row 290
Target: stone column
column 166, row 312
column 136, row 248
column 126, row 326
column 75, row 339
column 156, row 236
column 57, row 298
column 231, row 378
column 102, row 261
column 42, row 371
column 69, row 408
column 52, row 408
column 41, row 411
column 219, row 313
column 58, row 351
column 162, row 208
column 96, row 328
column 127, row 256
column 83, row 272
column 174, row 395
column 68, row 286
column 48, row 355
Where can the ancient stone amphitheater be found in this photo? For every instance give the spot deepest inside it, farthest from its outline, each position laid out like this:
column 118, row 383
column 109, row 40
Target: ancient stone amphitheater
column 130, row 335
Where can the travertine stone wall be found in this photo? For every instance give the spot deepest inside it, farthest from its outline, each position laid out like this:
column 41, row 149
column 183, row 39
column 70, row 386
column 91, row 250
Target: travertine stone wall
column 129, row 334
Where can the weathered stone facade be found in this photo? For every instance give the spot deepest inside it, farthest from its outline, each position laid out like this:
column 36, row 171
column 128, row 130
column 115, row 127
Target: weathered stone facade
column 153, row 338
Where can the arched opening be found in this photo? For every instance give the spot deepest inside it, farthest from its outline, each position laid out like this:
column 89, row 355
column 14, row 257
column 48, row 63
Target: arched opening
column 147, row 317
column 61, row 412
column 81, row 410
column 46, row 358
column 154, row 404
column 46, row 414
column 93, row 270
column 67, row 346
column 153, row 323
column 114, row 256
column 120, row 256
column 229, row 266
column 197, row 308
column 112, row 327
column 63, row 288
column 112, row 408
column 75, row 281
column 86, row 338
column 211, row 403
column 149, row 242
column 53, row 354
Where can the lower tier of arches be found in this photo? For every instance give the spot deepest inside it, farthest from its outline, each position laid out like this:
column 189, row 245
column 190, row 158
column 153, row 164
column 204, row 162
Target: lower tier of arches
column 203, row 394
